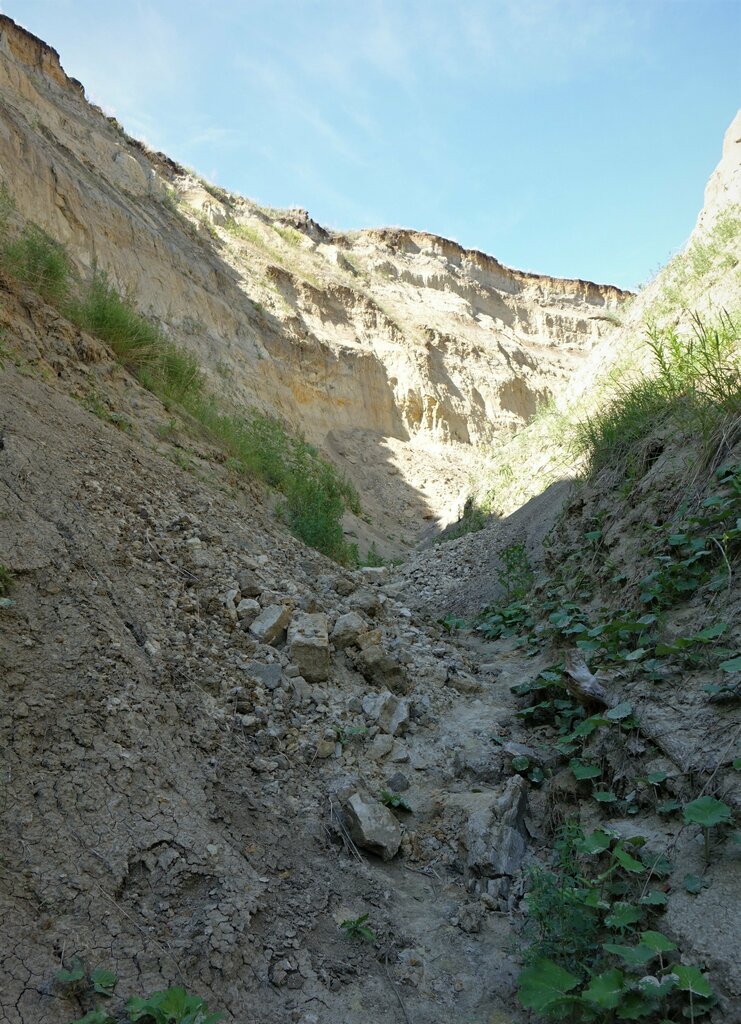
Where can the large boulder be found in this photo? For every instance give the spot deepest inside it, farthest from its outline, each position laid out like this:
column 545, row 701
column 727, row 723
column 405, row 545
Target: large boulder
column 308, row 645
column 373, row 826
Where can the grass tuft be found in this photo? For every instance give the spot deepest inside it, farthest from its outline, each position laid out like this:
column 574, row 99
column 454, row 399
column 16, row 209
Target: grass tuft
column 139, row 344
column 695, row 385
column 37, row 260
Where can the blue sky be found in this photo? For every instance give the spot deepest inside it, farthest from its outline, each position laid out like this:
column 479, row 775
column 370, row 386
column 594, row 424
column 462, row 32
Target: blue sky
column 570, row 137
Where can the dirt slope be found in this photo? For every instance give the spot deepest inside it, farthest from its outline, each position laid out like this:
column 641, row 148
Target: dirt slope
column 200, row 714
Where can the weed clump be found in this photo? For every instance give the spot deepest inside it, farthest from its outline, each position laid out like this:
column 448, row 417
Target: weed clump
column 167, row 370
column 695, row 386
column 315, row 494
column 39, row 261
column 6, row 579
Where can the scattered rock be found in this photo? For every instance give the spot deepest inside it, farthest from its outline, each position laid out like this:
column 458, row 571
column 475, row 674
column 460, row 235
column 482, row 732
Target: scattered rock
column 249, row 585
column 495, row 834
column 247, row 611
column 373, row 826
column 308, row 644
column 271, row 623
column 269, row 675
column 347, row 629
column 381, row 669
column 398, row 782
column 380, row 746
column 391, row 713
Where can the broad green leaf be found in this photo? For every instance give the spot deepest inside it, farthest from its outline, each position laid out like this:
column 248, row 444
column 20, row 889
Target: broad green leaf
column 707, row 811
column 634, row 956
column 596, row 842
column 94, row 1017
column 630, row 864
column 657, row 941
column 623, row 915
column 635, row 1006
column 710, row 632
column 732, row 665
column 588, row 726
column 656, row 778
column 520, row 763
column 541, row 984
column 635, row 655
column 620, row 711
column 585, row 771
column 654, row 898
column 692, row 980
column 737, row 764
column 693, row 884
column 668, row 806
column 605, row 990
column 104, row 982
column 588, row 645
column 605, row 796
column 74, row 974
column 657, row 988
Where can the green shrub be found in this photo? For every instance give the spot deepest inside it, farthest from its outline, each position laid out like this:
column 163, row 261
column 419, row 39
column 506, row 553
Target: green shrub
column 516, row 574
column 40, row 262
column 696, row 383
column 7, row 208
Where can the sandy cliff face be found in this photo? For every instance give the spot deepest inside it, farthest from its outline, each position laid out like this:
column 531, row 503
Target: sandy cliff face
column 378, row 345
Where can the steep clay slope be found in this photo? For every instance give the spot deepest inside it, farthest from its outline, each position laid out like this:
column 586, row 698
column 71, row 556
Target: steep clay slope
column 398, row 352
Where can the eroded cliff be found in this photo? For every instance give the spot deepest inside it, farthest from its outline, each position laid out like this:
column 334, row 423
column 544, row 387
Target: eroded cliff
column 402, row 354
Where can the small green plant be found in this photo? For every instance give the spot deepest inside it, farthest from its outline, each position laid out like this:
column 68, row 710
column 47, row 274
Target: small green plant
column 289, row 235
column 6, row 579
column 7, row 209
column 522, row 765
column 72, row 977
column 171, row 1006
column 357, row 928
column 391, row 799
column 573, row 974
column 473, row 519
column 373, row 559
column 514, row 619
column 451, row 623
column 516, row 574
column 96, row 1016
column 138, row 343
column 345, row 735
column 707, row 812
column 695, row 384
